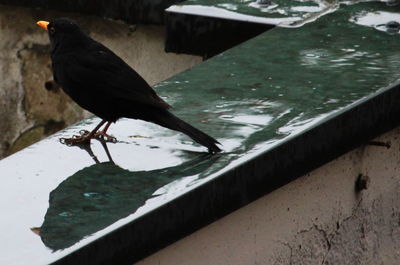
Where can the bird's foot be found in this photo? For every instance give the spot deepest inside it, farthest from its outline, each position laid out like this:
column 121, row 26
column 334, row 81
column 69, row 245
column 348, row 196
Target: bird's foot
column 83, row 138
column 103, row 136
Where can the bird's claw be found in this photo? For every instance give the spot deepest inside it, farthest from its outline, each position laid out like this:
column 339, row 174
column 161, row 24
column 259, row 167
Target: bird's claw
column 64, row 140
column 67, row 141
column 105, row 137
column 75, row 139
column 84, row 132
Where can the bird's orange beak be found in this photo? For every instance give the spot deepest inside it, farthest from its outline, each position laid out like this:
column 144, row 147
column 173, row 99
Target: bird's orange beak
column 43, row 24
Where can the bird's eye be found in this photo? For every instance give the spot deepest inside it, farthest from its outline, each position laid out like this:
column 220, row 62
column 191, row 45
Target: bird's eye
column 52, row 30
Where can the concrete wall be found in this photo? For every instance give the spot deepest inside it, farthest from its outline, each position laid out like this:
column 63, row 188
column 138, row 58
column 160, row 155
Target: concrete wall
column 29, row 112
column 318, row 219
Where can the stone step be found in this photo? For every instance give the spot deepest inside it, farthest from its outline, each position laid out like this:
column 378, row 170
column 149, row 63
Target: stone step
column 207, row 28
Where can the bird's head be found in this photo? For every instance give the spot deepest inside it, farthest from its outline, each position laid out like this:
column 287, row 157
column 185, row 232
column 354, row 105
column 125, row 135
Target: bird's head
column 63, row 30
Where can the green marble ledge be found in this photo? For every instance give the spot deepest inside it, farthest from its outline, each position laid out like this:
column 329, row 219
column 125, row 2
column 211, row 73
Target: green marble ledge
column 55, row 199
column 281, row 12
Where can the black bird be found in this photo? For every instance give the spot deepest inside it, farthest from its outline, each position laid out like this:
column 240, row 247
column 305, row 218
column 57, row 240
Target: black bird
column 102, row 83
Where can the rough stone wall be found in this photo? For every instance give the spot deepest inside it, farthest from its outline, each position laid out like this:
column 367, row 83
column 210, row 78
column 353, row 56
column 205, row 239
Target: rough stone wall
column 321, row 218
column 28, row 111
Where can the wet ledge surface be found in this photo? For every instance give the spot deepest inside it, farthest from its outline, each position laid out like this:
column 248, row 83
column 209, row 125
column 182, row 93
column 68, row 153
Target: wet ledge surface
column 281, row 104
column 278, row 12
column 207, row 28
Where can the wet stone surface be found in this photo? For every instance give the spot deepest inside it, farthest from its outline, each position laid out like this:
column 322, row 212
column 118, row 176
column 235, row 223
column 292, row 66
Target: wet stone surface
column 252, row 98
column 278, row 12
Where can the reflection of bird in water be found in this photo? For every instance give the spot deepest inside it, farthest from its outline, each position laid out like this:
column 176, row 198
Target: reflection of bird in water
column 99, row 195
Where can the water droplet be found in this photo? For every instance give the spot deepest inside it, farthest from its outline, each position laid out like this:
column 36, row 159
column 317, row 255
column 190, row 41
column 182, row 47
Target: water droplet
column 226, row 117
column 91, row 194
column 348, row 50
column 331, row 101
column 65, row 214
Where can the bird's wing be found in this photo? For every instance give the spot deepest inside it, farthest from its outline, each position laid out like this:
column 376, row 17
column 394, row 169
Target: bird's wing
column 100, row 70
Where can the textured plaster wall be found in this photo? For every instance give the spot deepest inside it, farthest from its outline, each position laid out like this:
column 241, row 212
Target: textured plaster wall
column 318, row 219
column 29, row 112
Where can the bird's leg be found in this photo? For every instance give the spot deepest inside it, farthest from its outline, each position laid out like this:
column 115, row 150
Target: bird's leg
column 84, row 137
column 102, row 135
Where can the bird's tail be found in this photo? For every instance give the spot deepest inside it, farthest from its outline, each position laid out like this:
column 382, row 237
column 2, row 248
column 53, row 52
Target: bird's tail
column 170, row 121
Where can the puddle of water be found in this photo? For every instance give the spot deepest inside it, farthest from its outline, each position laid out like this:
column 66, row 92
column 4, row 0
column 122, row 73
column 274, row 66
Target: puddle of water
column 381, row 20
column 277, row 12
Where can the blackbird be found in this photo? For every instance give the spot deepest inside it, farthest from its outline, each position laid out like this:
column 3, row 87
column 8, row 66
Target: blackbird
column 102, row 83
